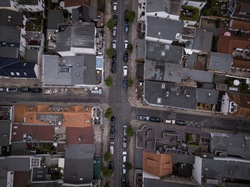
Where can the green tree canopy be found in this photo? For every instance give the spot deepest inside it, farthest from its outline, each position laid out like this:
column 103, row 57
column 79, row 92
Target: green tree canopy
column 109, row 81
column 128, row 165
column 107, row 156
column 130, row 47
column 130, row 15
column 106, row 172
column 110, row 53
column 109, row 113
column 130, row 131
column 110, row 24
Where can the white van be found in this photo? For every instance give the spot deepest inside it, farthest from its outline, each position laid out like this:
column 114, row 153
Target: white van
column 111, row 147
column 169, row 121
column 125, row 71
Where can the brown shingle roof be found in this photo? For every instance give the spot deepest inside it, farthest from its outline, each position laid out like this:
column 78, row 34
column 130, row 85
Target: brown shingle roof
column 157, row 164
column 227, row 44
column 79, row 135
column 70, row 3
column 241, row 25
column 243, row 102
column 240, row 63
column 44, row 133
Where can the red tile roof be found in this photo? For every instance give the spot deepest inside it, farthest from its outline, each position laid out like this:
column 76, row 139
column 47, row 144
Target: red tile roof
column 241, row 25
column 45, row 133
column 227, row 44
column 241, row 63
column 21, row 178
column 70, row 3
column 76, row 135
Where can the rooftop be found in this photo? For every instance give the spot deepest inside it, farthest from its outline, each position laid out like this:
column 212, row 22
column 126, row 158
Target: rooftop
column 149, row 182
column 197, row 75
column 9, row 52
column 202, row 40
column 79, row 135
column 163, row 52
column 70, row 3
column 157, row 164
column 84, row 13
column 140, row 49
column 168, row 94
column 241, row 10
column 168, row 6
column 240, row 25
column 220, row 62
column 70, row 70
column 208, row 96
column 55, row 17
column 5, row 128
column 163, row 29
column 68, row 116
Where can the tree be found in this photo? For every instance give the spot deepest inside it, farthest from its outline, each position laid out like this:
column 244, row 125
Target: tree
column 106, row 172
column 110, row 53
column 130, row 15
column 109, row 113
column 128, row 166
column 130, row 47
column 110, row 24
column 130, row 131
column 107, row 157
column 106, row 184
column 109, row 81
column 130, row 82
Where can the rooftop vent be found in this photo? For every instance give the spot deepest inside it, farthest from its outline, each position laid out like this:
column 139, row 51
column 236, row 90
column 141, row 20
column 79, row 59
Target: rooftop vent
column 166, row 47
column 209, row 94
column 163, row 53
column 159, row 100
column 163, row 86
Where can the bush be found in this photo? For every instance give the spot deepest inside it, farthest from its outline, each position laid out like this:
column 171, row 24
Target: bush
column 109, row 81
column 130, row 82
column 110, row 53
column 106, row 172
column 109, row 113
column 130, row 15
column 107, row 157
column 130, row 47
column 130, row 131
column 128, row 166
column 110, row 24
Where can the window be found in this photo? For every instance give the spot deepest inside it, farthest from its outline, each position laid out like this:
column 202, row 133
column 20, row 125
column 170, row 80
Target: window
column 25, row 64
column 17, row 73
column 25, row 73
column 12, row 73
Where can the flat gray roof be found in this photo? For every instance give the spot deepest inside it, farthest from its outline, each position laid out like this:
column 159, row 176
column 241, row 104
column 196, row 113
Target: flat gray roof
column 55, row 17
column 163, row 28
column 70, row 70
column 149, row 182
column 9, row 52
column 234, row 145
column 141, row 48
column 208, row 96
column 168, row 94
column 32, row 55
column 162, row 71
column 191, row 59
column 203, row 40
column 197, row 75
column 163, row 52
column 168, row 6
column 76, row 35
column 220, row 62
column 5, row 132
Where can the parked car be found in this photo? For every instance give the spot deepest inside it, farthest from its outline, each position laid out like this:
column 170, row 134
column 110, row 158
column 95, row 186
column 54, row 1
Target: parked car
column 114, row 44
column 115, row 18
column 24, row 89
column 124, row 142
column 155, row 119
column 115, row 6
column 111, row 147
column 126, row 44
column 126, row 28
column 2, row 89
column 111, row 165
column 113, row 67
column 123, row 180
column 112, row 133
column 112, row 121
column 36, row 90
column 125, row 130
column 114, row 55
column 11, row 89
column 114, row 32
column 169, row 121
column 179, row 122
column 143, row 118
column 124, row 171
column 124, row 84
column 125, row 16
column 125, row 71
column 125, row 57
column 124, row 156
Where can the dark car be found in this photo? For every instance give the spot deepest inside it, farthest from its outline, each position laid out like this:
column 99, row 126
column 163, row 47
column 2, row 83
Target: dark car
column 179, row 122
column 155, row 119
column 126, row 28
column 11, row 89
column 143, row 118
column 112, row 133
column 125, row 84
column 123, row 180
column 125, row 16
column 24, row 89
column 113, row 67
column 115, row 18
column 114, row 55
column 36, row 90
column 124, row 142
column 125, row 57
column 112, row 121
column 111, row 165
